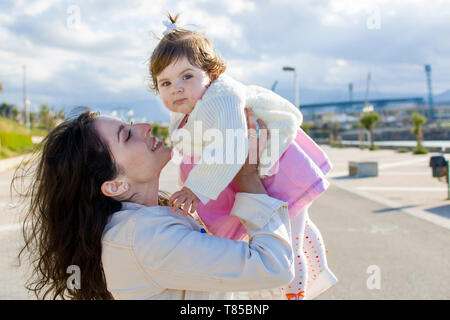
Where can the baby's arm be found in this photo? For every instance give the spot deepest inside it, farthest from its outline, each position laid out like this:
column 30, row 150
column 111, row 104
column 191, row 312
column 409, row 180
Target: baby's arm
column 226, row 152
column 191, row 199
column 211, row 176
column 184, row 197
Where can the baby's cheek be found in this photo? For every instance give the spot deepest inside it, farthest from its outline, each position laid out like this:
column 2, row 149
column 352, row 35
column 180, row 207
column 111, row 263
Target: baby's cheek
column 166, row 102
column 164, row 98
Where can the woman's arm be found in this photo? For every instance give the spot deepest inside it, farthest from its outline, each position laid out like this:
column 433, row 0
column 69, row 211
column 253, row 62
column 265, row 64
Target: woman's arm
column 175, row 256
column 247, row 179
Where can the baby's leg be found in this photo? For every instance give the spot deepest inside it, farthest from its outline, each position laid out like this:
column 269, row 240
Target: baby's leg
column 297, row 288
column 320, row 276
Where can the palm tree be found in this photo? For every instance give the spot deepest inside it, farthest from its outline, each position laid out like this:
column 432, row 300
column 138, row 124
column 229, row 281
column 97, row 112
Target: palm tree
column 418, row 122
column 368, row 121
column 306, row 127
column 334, row 134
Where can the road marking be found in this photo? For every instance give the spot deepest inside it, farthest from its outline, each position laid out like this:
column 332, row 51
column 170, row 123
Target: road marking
column 401, row 163
column 381, row 166
column 337, row 174
column 430, row 217
column 412, row 173
column 408, row 189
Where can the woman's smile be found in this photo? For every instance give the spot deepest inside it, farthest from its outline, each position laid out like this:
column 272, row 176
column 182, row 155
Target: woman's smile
column 156, row 144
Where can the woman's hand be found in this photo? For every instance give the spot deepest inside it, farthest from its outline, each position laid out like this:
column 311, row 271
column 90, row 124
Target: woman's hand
column 247, row 179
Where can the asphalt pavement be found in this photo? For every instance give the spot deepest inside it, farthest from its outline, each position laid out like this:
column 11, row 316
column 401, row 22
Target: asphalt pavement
column 367, row 240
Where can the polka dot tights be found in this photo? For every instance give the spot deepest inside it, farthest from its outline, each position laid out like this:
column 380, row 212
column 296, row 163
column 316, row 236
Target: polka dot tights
column 312, row 275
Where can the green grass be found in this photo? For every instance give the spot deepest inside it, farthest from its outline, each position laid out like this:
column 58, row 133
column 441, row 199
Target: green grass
column 15, row 139
column 6, row 152
column 8, row 125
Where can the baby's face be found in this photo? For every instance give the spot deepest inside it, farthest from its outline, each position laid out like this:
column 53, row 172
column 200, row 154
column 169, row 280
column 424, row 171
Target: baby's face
column 181, row 85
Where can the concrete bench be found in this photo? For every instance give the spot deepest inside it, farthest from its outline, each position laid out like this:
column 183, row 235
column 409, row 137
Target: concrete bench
column 363, row 169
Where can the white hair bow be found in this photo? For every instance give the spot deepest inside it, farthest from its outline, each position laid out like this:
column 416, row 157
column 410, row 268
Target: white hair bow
column 169, row 26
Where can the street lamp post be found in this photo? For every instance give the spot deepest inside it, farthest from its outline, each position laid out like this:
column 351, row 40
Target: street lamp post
column 27, row 114
column 297, row 103
column 26, row 102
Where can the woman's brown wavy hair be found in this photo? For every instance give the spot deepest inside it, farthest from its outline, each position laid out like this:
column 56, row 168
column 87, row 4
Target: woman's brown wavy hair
column 67, row 211
column 179, row 43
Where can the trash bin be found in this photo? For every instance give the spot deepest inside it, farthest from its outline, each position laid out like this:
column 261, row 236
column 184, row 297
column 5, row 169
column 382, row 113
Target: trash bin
column 439, row 166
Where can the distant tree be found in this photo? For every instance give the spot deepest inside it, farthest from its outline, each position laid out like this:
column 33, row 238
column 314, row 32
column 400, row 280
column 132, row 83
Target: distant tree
column 161, row 132
column 60, row 117
column 43, row 116
column 61, row 114
column 3, row 109
column 335, row 133
column 368, row 122
column 418, row 121
column 14, row 114
column 47, row 117
column 306, row 127
column 7, row 110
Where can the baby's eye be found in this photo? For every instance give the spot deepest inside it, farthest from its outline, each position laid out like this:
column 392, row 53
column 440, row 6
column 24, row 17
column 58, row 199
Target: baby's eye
column 187, row 76
column 165, row 84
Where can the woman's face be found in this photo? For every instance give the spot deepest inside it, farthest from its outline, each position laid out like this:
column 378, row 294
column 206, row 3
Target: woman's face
column 140, row 156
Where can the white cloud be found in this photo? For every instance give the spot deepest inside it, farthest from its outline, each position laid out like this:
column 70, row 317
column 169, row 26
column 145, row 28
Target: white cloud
column 239, row 6
column 332, row 20
column 33, row 8
column 215, row 26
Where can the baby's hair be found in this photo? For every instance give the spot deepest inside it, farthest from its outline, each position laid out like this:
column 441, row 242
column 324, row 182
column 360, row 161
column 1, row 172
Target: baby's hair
column 179, row 43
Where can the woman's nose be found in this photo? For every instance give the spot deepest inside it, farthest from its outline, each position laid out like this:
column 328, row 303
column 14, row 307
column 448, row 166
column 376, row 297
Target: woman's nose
column 146, row 129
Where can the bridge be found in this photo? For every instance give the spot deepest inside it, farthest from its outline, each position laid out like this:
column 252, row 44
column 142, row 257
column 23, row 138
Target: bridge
column 355, row 104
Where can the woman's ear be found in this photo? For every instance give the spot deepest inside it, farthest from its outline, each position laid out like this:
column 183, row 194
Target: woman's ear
column 114, row 188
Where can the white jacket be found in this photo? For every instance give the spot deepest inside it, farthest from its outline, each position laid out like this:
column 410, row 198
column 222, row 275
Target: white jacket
column 222, row 108
column 152, row 253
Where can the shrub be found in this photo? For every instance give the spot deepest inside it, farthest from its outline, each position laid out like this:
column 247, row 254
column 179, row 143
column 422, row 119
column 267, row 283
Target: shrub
column 420, row 150
column 14, row 141
column 161, row 132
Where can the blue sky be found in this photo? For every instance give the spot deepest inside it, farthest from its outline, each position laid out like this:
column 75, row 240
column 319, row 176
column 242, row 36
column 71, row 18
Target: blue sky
column 95, row 53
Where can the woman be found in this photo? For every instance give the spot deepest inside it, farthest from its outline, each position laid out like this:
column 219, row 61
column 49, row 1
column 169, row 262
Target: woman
column 95, row 205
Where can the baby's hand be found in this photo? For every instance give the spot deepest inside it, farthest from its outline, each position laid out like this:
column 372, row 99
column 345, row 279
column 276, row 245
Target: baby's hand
column 186, row 198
